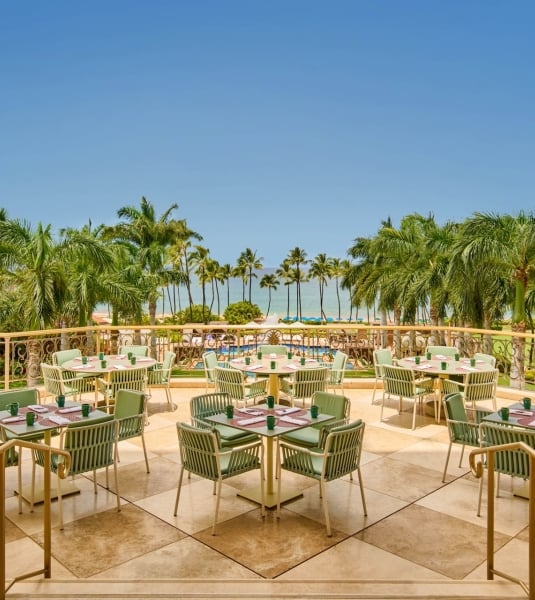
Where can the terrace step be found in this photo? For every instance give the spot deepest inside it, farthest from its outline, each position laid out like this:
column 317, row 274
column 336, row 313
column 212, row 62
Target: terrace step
column 263, row 588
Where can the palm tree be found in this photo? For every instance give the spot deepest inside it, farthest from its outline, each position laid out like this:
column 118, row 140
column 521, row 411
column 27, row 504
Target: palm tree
column 506, row 244
column 297, row 257
column 320, row 269
column 286, row 273
column 149, row 237
column 226, row 275
column 338, row 269
column 270, row 282
column 200, row 258
column 248, row 261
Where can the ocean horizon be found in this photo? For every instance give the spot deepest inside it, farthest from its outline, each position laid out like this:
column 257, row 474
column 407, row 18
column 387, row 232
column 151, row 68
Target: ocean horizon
column 310, row 299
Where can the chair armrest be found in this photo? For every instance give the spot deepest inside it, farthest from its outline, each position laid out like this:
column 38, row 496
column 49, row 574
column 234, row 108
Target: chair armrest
column 326, row 429
column 257, row 387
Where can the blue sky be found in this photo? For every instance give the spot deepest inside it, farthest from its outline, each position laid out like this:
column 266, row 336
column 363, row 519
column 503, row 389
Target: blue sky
column 273, row 124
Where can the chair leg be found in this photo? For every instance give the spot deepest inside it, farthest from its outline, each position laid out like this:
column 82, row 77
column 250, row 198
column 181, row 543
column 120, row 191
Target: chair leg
column 178, row 489
column 479, row 497
column 60, row 502
column 19, row 480
column 325, row 507
column 362, row 492
column 145, row 452
column 218, row 498
column 116, row 477
column 446, row 464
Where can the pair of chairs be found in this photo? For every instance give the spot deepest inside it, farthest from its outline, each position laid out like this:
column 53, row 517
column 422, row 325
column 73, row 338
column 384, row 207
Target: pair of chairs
column 323, row 453
column 95, row 446
column 210, row 362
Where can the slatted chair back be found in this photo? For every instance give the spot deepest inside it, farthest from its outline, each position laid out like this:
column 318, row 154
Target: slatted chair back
column 136, row 350
column 488, row 358
column 57, row 382
column 129, row 412
column 443, row 350
column 160, row 375
column 232, row 382
column 337, row 371
column 62, row 356
column 380, row 358
column 480, row 386
column 277, row 349
column 343, row 449
column 123, row 379
column 210, row 362
column 306, row 382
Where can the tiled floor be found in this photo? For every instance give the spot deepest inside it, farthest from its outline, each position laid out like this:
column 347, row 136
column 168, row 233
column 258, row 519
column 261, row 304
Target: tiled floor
column 416, row 528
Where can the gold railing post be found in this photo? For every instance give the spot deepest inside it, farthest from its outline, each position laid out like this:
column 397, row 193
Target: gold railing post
column 3, row 527
column 47, row 516
column 490, row 515
column 531, row 526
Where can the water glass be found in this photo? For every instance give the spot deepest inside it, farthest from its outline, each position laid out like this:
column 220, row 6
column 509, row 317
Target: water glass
column 101, row 355
column 270, row 400
column 443, row 365
column 504, row 413
column 273, row 364
column 30, row 418
column 60, row 401
column 302, row 361
column 526, row 402
column 133, row 360
column 417, row 360
column 314, row 411
column 84, row 360
column 230, row 411
column 270, row 422
column 85, row 410
column 259, row 355
column 247, row 360
column 14, row 409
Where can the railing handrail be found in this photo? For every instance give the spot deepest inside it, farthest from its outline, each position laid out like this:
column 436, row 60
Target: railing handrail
column 62, row 472
column 478, row 470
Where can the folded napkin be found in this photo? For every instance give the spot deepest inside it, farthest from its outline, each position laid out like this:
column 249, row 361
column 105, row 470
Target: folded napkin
column 120, row 356
column 419, row 367
column 273, row 355
column 519, row 411
column 294, row 421
column 252, row 367
column 38, row 408
column 292, row 366
column 143, row 359
column 118, row 367
column 82, row 367
column 58, row 420
column 237, row 360
column 287, row 411
column 69, row 409
column 251, row 411
column 14, row 419
column 251, row 421
column 466, row 368
column 440, row 356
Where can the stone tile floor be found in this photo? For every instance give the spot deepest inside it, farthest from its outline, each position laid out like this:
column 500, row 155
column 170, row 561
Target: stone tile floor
column 417, row 527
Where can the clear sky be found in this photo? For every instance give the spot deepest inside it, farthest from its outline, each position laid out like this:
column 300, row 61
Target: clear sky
column 273, row 124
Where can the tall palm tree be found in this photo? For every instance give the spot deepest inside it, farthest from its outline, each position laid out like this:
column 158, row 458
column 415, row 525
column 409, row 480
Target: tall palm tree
column 200, row 258
column 249, row 261
column 505, row 243
column 286, row 273
column 320, row 269
column 270, row 282
column 150, row 238
column 226, row 274
column 298, row 257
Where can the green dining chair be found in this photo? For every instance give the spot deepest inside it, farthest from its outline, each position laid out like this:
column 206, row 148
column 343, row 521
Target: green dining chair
column 233, row 382
column 129, row 412
column 328, row 404
column 160, row 375
column 210, row 362
column 136, row 350
column 340, row 457
column 201, row 454
column 337, row 371
column 304, row 382
column 478, row 386
column 91, row 447
column 380, row 358
column 461, row 429
column 207, row 405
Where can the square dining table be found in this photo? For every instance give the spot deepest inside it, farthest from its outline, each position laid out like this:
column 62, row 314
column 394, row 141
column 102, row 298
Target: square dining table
column 253, row 420
column 48, row 418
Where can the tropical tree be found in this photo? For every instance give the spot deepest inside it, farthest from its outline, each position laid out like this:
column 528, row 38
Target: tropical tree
column 200, row 259
column 298, row 257
column 248, row 261
column 286, row 273
column 320, row 269
column 225, row 275
column 270, row 282
column 506, row 244
column 149, row 239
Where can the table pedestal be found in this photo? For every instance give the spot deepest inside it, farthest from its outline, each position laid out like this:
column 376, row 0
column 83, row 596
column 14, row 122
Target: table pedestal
column 67, row 489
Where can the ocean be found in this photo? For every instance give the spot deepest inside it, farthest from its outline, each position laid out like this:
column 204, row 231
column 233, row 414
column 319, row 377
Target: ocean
column 310, row 299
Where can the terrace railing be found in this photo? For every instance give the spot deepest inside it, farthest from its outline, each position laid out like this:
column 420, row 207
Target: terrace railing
column 22, row 352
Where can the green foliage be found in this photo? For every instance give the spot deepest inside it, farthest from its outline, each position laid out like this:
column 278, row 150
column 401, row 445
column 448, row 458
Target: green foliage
column 240, row 313
column 195, row 315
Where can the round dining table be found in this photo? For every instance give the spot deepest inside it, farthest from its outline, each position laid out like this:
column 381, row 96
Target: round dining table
column 443, row 367
column 274, row 366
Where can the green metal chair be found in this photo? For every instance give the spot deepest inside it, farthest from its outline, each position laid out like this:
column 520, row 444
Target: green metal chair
column 329, row 404
column 478, row 386
column 207, row 405
column 201, row 455
column 84, row 382
column 91, row 447
column 340, row 457
column 380, row 358
column 136, row 350
column 129, row 411
column 488, row 358
column 510, row 462
column 403, row 383
column 337, row 371
column 122, row 379
column 210, row 362
column 268, row 349
column 304, row 383
column 442, row 350
column 24, row 397
column 160, row 375
column 461, row 429
column 233, row 382
column 58, row 382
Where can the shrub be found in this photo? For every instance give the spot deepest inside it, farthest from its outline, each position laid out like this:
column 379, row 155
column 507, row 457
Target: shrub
column 195, row 315
column 240, row 313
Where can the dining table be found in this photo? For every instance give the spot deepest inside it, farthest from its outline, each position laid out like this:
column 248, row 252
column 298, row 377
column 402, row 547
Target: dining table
column 443, row 367
column 48, row 419
column 113, row 362
column 274, row 366
column 253, row 419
